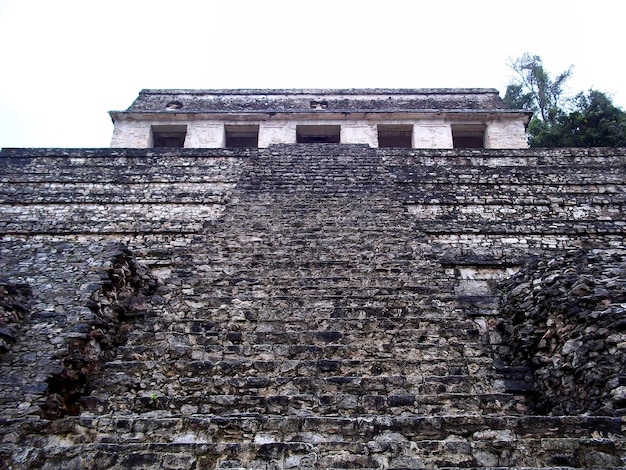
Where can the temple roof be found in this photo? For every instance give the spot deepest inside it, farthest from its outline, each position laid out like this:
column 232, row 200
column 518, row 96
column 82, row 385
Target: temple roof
column 319, row 100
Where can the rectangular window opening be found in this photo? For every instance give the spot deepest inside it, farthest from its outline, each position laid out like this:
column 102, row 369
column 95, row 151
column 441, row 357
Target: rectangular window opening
column 468, row 136
column 242, row 136
column 319, row 104
column 312, row 134
column 169, row 136
column 400, row 135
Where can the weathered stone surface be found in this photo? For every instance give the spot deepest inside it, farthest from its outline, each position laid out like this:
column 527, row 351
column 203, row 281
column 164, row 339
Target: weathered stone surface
column 75, row 322
column 13, row 308
column 319, row 319
column 426, row 118
column 299, row 100
column 564, row 318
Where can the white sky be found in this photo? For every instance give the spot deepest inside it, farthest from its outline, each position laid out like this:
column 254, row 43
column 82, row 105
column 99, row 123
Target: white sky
column 66, row 63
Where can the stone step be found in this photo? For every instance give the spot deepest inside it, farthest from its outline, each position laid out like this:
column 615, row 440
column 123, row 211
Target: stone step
column 142, row 360
column 586, row 174
column 251, row 332
column 206, row 301
column 311, row 257
column 180, row 346
column 335, row 184
column 389, row 293
column 201, row 348
column 304, row 259
column 519, row 194
column 290, row 384
column 267, row 334
column 163, row 427
column 308, row 223
column 247, row 316
column 514, row 228
column 284, row 283
column 265, row 233
column 447, row 454
column 335, row 404
column 118, row 194
column 347, row 296
column 418, row 325
column 287, row 273
column 311, row 205
column 260, row 312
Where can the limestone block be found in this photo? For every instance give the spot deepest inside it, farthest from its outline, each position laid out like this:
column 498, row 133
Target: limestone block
column 359, row 133
column 297, row 309
column 432, row 134
column 205, row 135
column 277, row 133
column 501, row 134
column 131, row 134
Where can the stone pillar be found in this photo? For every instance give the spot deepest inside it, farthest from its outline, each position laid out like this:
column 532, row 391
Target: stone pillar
column 205, row 135
column 359, row 133
column 432, row 134
column 277, row 133
column 131, row 134
column 506, row 134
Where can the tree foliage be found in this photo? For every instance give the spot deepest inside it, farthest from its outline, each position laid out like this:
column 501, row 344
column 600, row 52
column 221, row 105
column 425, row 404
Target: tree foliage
column 593, row 122
column 534, row 89
column 587, row 120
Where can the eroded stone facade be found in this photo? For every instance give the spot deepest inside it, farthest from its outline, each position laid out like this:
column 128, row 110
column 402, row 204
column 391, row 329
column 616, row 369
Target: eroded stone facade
column 203, row 118
column 301, row 306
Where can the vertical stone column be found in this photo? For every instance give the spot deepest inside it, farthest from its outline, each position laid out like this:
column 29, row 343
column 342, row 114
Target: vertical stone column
column 131, row 134
column 205, row 135
column 281, row 132
column 506, row 133
column 432, row 134
column 359, row 133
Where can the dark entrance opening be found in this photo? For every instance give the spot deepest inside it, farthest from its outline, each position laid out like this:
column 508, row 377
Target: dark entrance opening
column 400, row 135
column 469, row 136
column 242, row 136
column 169, row 136
column 318, row 134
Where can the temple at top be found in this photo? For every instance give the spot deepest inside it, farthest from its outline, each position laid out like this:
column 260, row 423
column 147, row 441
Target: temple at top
column 407, row 118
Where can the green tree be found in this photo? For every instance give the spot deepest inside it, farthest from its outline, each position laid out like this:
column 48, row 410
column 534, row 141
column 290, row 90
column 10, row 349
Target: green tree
column 587, row 120
column 534, row 89
column 593, row 122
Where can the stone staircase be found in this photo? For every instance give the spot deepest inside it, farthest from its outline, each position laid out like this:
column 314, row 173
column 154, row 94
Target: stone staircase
column 311, row 326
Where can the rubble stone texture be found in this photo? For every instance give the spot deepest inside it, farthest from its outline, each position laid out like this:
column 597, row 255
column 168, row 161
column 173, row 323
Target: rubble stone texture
column 565, row 319
column 312, row 306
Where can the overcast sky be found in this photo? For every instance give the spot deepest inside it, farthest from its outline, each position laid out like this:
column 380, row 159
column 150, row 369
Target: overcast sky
column 66, row 63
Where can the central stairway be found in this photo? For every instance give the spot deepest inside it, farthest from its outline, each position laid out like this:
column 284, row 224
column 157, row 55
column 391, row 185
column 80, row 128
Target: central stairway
column 306, row 328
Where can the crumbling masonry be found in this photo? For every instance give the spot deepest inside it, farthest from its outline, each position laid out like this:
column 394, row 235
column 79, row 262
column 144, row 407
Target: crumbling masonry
column 313, row 279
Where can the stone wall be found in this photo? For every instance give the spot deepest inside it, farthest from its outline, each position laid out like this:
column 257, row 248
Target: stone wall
column 307, row 306
column 564, row 318
column 209, row 132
